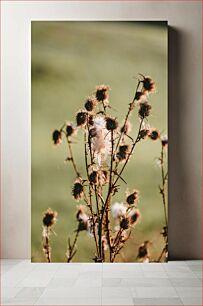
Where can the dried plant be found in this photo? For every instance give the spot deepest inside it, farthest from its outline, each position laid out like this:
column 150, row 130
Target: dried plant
column 49, row 219
column 108, row 148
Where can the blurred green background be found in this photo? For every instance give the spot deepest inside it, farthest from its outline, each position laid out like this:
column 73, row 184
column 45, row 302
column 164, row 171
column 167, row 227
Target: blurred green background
column 68, row 60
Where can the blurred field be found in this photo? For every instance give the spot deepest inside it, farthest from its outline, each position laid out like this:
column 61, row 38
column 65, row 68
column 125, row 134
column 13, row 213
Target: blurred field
column 68, row 60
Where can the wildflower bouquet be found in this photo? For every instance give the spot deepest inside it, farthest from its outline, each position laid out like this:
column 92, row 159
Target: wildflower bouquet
column 108, row 149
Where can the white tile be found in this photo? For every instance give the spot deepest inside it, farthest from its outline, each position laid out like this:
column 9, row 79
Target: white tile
column 189, row 291
column 145, row 282
column 72, row 292
column 115, row 292
column 193, row 262
column 88, row 282
column 154, row 292
column 181, row 275
column 154, row 274
column 121, row 301
column 192, row 301
column 9, row 292
column 185, row 282
column 158, row 301
column 61, row 282
column 152, row 267
column 21, row 301
column 69, row 301
column 28, row 292
column 177, row 268
column 112, row 282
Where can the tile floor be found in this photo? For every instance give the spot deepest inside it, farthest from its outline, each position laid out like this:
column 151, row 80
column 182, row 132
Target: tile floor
column 173, row 283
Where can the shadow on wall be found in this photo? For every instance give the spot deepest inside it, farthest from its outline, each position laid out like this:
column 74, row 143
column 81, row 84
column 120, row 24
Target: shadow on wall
column 184, row 201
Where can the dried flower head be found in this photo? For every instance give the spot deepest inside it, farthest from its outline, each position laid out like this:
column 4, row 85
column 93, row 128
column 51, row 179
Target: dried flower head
column 81, row 118
column 139, row 96
column 132, row 198
column 92, row 132
column 154, row 134
column 91, row 120
column 49, row 218
column 69, row 130
column 148, row 84
column 90, row 104
column 126, row 128
column 77, row 190
column 111, row 124
column 82, row 218
column 57, row 137
column 134, row 216
column 123, row 152
column 125, row 223
column 143, row 133
column 118, row 210
column 102, row 93
column 144, row 110
column 143, row 251
column 93, row 177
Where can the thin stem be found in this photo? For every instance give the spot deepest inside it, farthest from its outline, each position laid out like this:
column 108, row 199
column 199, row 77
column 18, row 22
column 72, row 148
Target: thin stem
column 72, row 250
column 72, row 158
column 131, row 151
column 164, row 178
column 46, row 246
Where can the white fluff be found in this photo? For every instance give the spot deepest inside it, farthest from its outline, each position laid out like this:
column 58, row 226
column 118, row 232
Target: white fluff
column 118, row 210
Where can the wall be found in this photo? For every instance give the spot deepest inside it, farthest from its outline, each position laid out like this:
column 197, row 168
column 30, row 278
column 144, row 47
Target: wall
column 184, row 19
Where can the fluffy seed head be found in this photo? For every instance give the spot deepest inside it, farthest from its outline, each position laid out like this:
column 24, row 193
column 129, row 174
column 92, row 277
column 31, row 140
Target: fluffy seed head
column 124, row 223
column 118, row 210
column 148, row 84
column 90, row 104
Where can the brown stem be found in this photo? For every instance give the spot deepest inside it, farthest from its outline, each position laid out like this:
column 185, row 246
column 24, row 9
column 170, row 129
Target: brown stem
column 46, row 246
column 72, row 158
column 164, row 178
column 72, row 250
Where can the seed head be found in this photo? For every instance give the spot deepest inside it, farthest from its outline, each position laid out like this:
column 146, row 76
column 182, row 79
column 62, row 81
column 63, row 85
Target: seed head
column 77, row 190
column 134, row 216
column 93, row 177
column 102, row 93
column 144, row 110
column 111, row 124
column 81, row 118
column 132, row 198
column 91, row 120
column 57, row 137
column 69, row 130
column 123, row 152
column 90, row 104
column 92, row 132
column 164, row 141
column 148, row 84
column 49, row 218
column 139, row 96
column 124, row 224
column 143, row 133
column 154, row 134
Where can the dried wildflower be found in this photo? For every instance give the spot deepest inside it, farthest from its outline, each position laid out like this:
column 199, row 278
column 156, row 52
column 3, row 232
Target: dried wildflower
column 91, row 120
column 143, row 251
column 154, row 134
column 124, row 223
column 126, row 128
column 81, row 118
column 123, row 152
column 49, row 218
column 143, row 133
column 132, row 198
column 102, row 93
column 148, row 84
column 134, row 216
column 92, row 132
column 69, row 130
column 93, row 177
column 90, row 104
column 77, row 190
column 57, row 137
column 139, row 96
column 118, row 210
column 111, row 124
column 83, row 219
column 144, row 110
column 164, row 141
